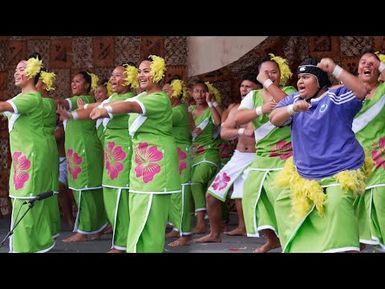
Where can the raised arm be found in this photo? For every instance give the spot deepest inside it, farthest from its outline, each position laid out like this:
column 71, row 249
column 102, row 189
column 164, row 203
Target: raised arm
column 349, row 80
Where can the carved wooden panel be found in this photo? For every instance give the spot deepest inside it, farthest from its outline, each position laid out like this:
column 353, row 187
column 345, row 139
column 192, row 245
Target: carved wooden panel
column 17, row 50
column 103, row 52
column 61, row 53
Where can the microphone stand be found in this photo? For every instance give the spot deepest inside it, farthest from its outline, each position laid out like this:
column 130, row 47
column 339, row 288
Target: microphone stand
column 30, row 205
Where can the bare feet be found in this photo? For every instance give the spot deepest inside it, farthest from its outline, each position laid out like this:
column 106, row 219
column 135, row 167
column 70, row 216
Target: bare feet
column 172, row 234
column 236, row 232
column 201, row 229
column 209, row 239
column 95, row 236
column 113, row 250
column 182, row 241
column 362, row 246
column 108, row 230
column 269, row 245
column 77, row 237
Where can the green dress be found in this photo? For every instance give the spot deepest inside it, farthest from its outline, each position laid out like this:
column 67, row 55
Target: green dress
column 273, row 147
column 181, row 204
column 154, row 172
column 370, row 132
column 116, row 173
column 28, row 176
column 84, row 154
column 49, row 125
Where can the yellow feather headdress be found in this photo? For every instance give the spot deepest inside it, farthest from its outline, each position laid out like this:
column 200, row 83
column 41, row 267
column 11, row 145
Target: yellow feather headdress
column 158, row 68
column 214, row 91
column 48, row 79
column 94, row 80
column 131, row 76
column 109, row 88
column 33, row 67
column 179, row 89
column 380, row 56
column 283, row 67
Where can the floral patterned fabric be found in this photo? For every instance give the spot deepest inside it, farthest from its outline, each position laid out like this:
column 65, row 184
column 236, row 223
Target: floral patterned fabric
column 29, row 153
column 155, row 166
column 117, row 148
column 83, row 151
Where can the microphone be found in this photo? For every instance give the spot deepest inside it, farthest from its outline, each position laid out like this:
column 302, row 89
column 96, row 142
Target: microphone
column 40, row 197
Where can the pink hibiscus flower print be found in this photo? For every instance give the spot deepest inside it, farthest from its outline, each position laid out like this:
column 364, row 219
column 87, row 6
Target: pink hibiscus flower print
column 378, row 153
column 221, row 181
column 146, row 159
column 282, row 149
column 73, row 163
column 20, row 166
column 112, row 157
column 182, row 155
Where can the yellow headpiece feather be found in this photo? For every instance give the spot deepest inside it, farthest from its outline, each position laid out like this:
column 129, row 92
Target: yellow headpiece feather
column 48, row 79
column 131, row 76
column 94, row 80
column 158, row 68
column 33, row 67
column 179, row 89
column 109, row 88
column 380, row 56
column 283, row 68
column 214, row 91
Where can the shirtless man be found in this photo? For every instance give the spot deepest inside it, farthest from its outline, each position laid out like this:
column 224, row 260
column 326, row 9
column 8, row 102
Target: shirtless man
column 233, row 172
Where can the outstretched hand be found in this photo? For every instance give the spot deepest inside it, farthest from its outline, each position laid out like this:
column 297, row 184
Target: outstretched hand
column 98, row 113
column 63, row 113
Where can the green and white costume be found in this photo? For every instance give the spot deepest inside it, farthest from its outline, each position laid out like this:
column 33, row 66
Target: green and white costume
column 84, row 155
column 116, row 173
column 154, row 172
column 29, row 176
column 205, row 157
column 181, row 204
column 49, row 126
column 273, row 147
column 370, row 132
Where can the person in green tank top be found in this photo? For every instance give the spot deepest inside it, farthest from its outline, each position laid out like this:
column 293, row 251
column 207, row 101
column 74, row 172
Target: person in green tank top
column 273, row 147
column 180, row 215
column 154, row 173
column 28, row 176
column 84, row 155
column 369, row 128
column 205, row 152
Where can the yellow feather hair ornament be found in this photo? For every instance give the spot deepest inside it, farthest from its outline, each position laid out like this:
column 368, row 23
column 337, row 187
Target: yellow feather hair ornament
column 48, row 78
column 158, row 68
column 94, row 81
column 131, row 76
column 177, row 87
column 283, row 68
column 109, row 88
column 380, row 56
column 33, row 67
column 214, row 92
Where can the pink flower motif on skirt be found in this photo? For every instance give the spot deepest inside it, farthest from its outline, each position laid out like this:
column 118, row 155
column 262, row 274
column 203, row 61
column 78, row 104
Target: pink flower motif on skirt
column 282, row 149
column 221, row 181
column 73, row 163
column 182, row 155
column 378, row 153
column 146, row 159
column 20, row 166
column 112, row 155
